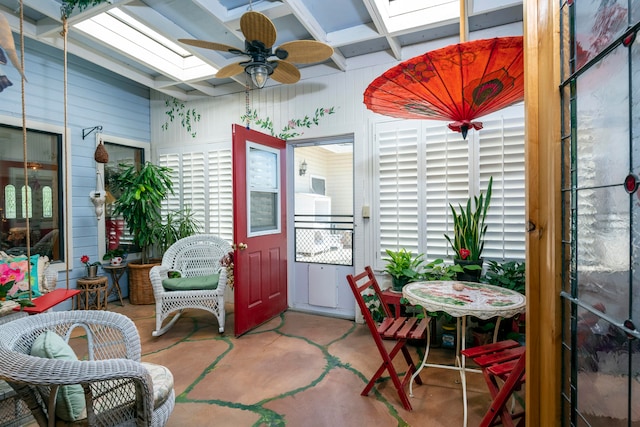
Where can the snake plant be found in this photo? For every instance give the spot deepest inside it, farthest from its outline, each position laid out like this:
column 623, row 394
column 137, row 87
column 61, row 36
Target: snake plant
column 469, row 226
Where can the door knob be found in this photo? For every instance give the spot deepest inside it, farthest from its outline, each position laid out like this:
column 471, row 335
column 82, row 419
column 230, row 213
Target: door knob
column 241, row 246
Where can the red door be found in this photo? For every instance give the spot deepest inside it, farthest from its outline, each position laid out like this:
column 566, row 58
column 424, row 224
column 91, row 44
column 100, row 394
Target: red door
column 260, row 228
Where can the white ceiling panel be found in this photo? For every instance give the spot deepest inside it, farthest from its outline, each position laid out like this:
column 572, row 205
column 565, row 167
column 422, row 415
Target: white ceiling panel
column 356, row 29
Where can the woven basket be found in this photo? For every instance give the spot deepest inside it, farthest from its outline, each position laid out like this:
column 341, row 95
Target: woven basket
column 140, row 288
column 101, row 155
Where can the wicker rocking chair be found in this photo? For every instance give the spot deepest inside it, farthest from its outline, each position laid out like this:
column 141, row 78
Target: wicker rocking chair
column 194, row 259
column 107, row 386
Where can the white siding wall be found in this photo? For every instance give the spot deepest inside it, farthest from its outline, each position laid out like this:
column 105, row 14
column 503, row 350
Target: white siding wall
column 95, row 97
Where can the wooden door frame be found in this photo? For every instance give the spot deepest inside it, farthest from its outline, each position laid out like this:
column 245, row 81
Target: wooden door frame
column 543, row 211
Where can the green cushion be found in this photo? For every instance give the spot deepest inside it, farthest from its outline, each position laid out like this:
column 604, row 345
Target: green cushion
column 198, row 283
column 70, row 404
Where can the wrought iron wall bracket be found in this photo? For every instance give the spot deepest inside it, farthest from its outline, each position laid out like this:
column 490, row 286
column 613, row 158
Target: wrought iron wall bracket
column 87, row 131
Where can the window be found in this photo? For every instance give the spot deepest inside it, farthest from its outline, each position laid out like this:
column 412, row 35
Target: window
column 423, row 167
column 120, row 156
column 38, row 195
column 318, row 185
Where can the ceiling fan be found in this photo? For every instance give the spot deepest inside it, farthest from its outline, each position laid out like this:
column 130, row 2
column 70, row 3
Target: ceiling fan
column 264, row 61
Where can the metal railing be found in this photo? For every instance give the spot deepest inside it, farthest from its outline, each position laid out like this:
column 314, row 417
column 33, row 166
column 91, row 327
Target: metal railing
column 324, row 239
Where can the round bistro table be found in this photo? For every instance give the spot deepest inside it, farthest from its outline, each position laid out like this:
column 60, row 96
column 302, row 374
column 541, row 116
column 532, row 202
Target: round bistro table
column 462, row 299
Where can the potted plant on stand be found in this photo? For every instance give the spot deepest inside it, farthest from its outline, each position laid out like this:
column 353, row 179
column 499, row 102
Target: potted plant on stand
column 403, row 267
column 139, row 203
column 469, row 229
column 114, row 256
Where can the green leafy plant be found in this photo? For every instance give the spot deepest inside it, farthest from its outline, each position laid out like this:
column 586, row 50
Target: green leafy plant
column 469, row 227
column 188, row 116
column 141, row 194
column 510, row 275
column 289, row 131
column 112, row 253
column 178, row 224
column 403, row 263
column 69, row 5
column 374, row 306
column 139, row 202
column 402, row 266
column 438, row 270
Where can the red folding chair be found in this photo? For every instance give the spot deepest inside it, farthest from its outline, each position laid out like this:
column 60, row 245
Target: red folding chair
column 399, row 329
column 503, row 367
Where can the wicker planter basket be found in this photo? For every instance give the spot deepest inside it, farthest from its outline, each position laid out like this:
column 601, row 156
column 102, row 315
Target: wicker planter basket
column 140, row 289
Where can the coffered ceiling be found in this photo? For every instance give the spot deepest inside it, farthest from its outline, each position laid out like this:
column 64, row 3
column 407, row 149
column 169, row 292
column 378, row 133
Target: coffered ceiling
column 358, row 30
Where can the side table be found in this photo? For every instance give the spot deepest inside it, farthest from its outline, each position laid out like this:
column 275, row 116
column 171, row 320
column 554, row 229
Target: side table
column 93, row 293
column 116, row 272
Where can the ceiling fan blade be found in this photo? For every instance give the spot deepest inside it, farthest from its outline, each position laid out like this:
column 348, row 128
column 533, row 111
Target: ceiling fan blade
column 210, row 45
column 256, row 26
column 229, row 71
column 286, row 73
column 306, row 51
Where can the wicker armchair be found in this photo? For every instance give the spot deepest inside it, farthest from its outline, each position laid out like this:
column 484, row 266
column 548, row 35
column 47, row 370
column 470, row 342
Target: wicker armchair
column 194, row 256
column 13, row 411
column 115, row 387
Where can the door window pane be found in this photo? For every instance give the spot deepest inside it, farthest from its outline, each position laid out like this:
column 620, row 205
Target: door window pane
column 263, row 171
column 264, row 211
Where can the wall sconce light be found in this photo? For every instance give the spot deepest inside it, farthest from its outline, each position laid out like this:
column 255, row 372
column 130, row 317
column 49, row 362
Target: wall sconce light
column 303, row 168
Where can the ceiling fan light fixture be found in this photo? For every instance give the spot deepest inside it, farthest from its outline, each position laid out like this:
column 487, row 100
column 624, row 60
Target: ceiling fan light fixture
column 259, row 74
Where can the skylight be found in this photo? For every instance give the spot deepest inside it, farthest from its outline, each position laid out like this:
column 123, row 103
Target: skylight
column 137, row 41
column 402, row 15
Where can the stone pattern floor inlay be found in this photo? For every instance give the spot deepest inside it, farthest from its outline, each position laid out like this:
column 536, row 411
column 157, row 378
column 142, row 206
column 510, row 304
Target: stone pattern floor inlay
column 296, row 370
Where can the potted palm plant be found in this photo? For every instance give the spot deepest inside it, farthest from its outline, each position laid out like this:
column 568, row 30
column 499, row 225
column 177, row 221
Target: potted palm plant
column 469, row 229
column 142, row 191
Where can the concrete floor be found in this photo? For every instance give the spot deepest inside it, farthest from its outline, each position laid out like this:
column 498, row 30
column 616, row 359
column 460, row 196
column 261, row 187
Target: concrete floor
column 296, row 370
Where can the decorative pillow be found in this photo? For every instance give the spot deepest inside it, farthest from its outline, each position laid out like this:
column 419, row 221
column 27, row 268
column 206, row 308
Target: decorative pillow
column 162, row 382
column 198, row 283
column 20, row 262
column 70, row 404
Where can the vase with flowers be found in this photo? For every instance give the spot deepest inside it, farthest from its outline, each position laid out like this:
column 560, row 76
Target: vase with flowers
column 92, row 267
column 469, row 229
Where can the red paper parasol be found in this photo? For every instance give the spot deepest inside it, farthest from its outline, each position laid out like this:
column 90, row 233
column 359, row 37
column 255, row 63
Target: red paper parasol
column 460, row 82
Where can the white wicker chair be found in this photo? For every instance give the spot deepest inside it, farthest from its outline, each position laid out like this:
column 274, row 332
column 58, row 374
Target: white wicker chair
column 118, row 388
column 193, row 256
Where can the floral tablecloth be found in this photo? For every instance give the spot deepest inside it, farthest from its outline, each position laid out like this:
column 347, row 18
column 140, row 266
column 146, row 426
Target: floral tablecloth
column 465, row 298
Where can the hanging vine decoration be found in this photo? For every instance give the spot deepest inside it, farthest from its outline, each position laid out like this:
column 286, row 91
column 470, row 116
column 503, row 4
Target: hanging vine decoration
column 290, row 130
column 68, row 5
column 187, row 116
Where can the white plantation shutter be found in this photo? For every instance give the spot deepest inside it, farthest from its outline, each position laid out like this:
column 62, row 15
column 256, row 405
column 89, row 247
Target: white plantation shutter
column 423, row 167
column 447, row 181
column 398, row 185
column 193, row 185
column 202, row 180
column 172, row 202
column 501, row 147
column 220, row 194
